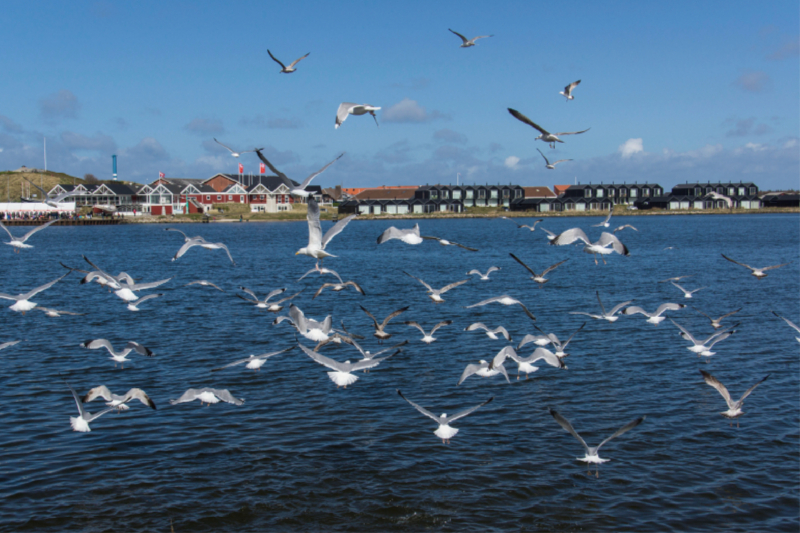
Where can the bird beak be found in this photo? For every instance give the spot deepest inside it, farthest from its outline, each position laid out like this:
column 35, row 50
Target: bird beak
column 297, row 253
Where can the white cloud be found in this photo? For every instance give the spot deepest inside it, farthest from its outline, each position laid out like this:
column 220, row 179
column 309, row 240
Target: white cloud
column 631, row 146
column 511, row 161
column 407, row 110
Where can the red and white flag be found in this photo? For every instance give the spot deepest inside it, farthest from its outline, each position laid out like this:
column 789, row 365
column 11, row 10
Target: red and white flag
column 161, row 175
column 262, row 168
column 241, row 168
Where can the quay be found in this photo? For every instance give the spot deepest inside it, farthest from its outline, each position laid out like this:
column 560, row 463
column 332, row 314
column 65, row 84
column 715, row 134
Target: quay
column 65, row 222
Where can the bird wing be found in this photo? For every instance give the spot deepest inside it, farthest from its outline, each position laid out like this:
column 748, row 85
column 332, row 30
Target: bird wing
column 219, row 143
column 485, row 302
column 97, row 392
column 98, row 343
column 714, row 382
column 138, row 348
column 632, row 310
column 544, row 354
column 369, row 315
column 140, row 395
column 763, row 269
column 618, row 307
column 564, row 423
column 395, row 347
column 239, row 362
column 356, row 286
column 471, row 369
column 5, row 228
column 462, row 37
column 564, row 345
column 416, row 325
column 226, row 396
column 568, row 88
column 627, row 427
column 569, row 236
column 77, row 400
column 388, row 318
column 394, row 233
column 298, row 318
column 602, row 307
column 430, row 289
column 226, row 251
column 518, row 260
column 545, row 157
column 324, row 286
column 681, row 288
column 791, row 324
column 737, row 262
column 420, row 408
column 572, row 132
column 7, row 344
column 370, row 363
column 318, row 172
column 465, row 412
column 143, row 298
column 748, row 391
column 289, row 297
column 733, row 313
column 309, row 272
column 275, row 293
column 343, row 111
column 492, row 269
column 314, row 227
column 551, row 268
column 46, row 286
column 186, row 237
column 278, row 62
column 254, row 301
column 188, row 396
column 271, row 167
column 151, row 285
column 336, row 229
column 325, row 361
column 452, row 286
column 353, row 335
column 609, row 238
column 519, row 116
column 296, row 61
column 183, row 249
column 481, row 37
column 40, row 228
column 440, row 324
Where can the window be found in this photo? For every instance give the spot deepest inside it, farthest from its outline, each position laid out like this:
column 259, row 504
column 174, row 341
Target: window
column 634, row 193
column 646, row 191
column 698, row 191
column 470, row 192
column 741, row 191
column 721, row 190
column 260, row 196
column 612, row 192
column 444, row 195
column 219, row 197
column 752, row 190
column 230, row 197
column 434, row 195
column 493, row 193
column 657, row 191
column 518, row 193
column 481, row 193
column 623, row 193
column 456, row 194
column 587, row 193
column 506, row 193
column 208, row 197
column 709, row 189
column 599, row 193
column 731, row 191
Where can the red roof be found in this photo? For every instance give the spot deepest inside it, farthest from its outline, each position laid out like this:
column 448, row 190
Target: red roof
column 560, row 189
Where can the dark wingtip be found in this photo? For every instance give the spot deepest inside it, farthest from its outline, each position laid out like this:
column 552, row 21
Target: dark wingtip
column 85, row 343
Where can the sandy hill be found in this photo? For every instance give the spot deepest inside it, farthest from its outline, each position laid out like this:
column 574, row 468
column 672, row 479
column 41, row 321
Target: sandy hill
column 12, row 184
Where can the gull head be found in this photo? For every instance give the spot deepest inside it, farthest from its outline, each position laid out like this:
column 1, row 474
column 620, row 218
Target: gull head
column 444, row 415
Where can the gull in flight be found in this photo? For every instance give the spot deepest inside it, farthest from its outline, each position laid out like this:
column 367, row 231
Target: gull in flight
column 5, row 345
column 322, row 271
column 55, row 313
column 605, row 223
column 550, row 234
column 408, row 236
column 284, row 68
column 19, row 242
column 307, row 327
column 380, row 332
column 525, row 364
column 341, row 374
column 688, row 294
column 546, row 136
column 134, row 305
column 791, row 325
column 505, row 300
column 235, row 153
column 757, row 272
column 592, row 452
column 81, row 422
column 366, row 355
column 491, row 333
column 53, row 202
column 466, row 43
column 444, row 431
column 567, row 92
column 676, row 278
column 487, row 370
column 734, row 408
column 484, row 277
column 204, row 283
column 620, row 228
column 349, row 108
column 102, row 278
column 254, row 362
column 538, row 278
column 436, row 294
column 316, row 241
column 610, row 316
column 716, row 323
column 445, row 242
column 264, row 304
column 208, row 396
column 124, row 290
column 22, row 302
column 548, row 164
column 428, row 338
column 300, row 190
column 702, row 347
column 199, row 241
column 118, row 401
column 117, row 357
column 653, row 318
column 520, row 226
column 607, row 243
column 337, row 287
column 552, row 338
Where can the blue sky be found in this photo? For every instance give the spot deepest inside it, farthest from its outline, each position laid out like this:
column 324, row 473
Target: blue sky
column 672, row 91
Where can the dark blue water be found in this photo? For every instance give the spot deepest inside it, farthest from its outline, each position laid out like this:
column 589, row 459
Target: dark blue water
column 302, row 455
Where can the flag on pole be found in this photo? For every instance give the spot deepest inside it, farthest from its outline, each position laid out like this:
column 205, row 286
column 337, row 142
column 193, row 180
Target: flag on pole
column 262, row 168
column 161, row 175
column 241, row 168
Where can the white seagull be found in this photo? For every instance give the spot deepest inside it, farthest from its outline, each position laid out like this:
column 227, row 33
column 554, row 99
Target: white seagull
column 254, row 362
column 408, row 236
column 548, row 164
column 53, row 202
column 445, row 242
column 567, row 92
column 55, row 313
column 209, row 396
column 316, row 241
column 19, row 242
column 444, row 431
column 300, row 190
column 349, row 108
column 264, row 304
column 757, row 272
column 538, row 278
column 380, row 332
column 688, row 294
column 484, row 277
column 487, row 370
column 322, row 271
column 337, row 287
column 716, row 323
column 436, row 294
column 466, row 43
column 620, row 228
column 189, row 242
column 235, row 153
column 676, row 278
column 21, row 301
column 5, row 345
column 606, row 244
column 605, row 223
column 520, row 226
column 734, row 408
column 124, row 290
column 307, row 327
column 117, row 357
column 81, row 423
column 791, row 324
column 204, row 283
column 284, row 68
column 610, row 316
column 428, row 338
column 525, row 364
column 702, row 346
column 554, row 340
column 491, row 333
column 653, row 318
column 118, row 401
column 341, row 374
column 134, row 305
column 505, row 300
column 546, row 136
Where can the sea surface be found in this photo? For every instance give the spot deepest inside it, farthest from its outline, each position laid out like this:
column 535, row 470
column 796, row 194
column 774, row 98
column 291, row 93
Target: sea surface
column 301, row 454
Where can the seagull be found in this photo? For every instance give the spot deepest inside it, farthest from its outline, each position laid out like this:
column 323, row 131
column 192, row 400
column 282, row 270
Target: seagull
column 550, row 234
column 466, row 43
column 264, row 304
column 525, row 364
column 322, row 271
column 341, row 374
column 444, row 431
column 8, row 344
column 716, row 323
column 520, row 226
column 134, row 305
column 734, row 408
column 445, row 242
column 55, row 313
column 605, row 223
column 546, row 136
column 688, row 294
column 81, row 423
column 608, row 243
column 487, row 370
column 436, row 294
column 491, row 333
column 791, row 325
column 349, row 108
column 19, row 242
column 538, row 278
column 554, row 340
column 538, row 340
column 284, row 68
column 366, row 355
column 592, row 453
column 408, row 236
column 717, row 196
column 208, row 395
column 548, row 164
column 653, row 318
column 307, row 327
column 53, row 202
column 199, row 241
column 254, row 362
column 234, row 153
column 505, row 300
column 316, row 241
column 567, row 92
column 379, row 328
column 115, row 400
column 484, row 277
column 757, row 272
column 204, row 283
column 428, row 338
column 117, row 357
column 122, row 290
column 676, row 278
column 610, row 316
column 336, row 287
column 300, row 190
column 21, row 300
column 699, row 346
column 620, row 228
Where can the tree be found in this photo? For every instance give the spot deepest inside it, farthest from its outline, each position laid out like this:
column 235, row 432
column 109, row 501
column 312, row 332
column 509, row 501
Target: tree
column 90, row 178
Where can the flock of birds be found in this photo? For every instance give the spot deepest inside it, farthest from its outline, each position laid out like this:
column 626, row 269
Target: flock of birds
column 549, row 348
